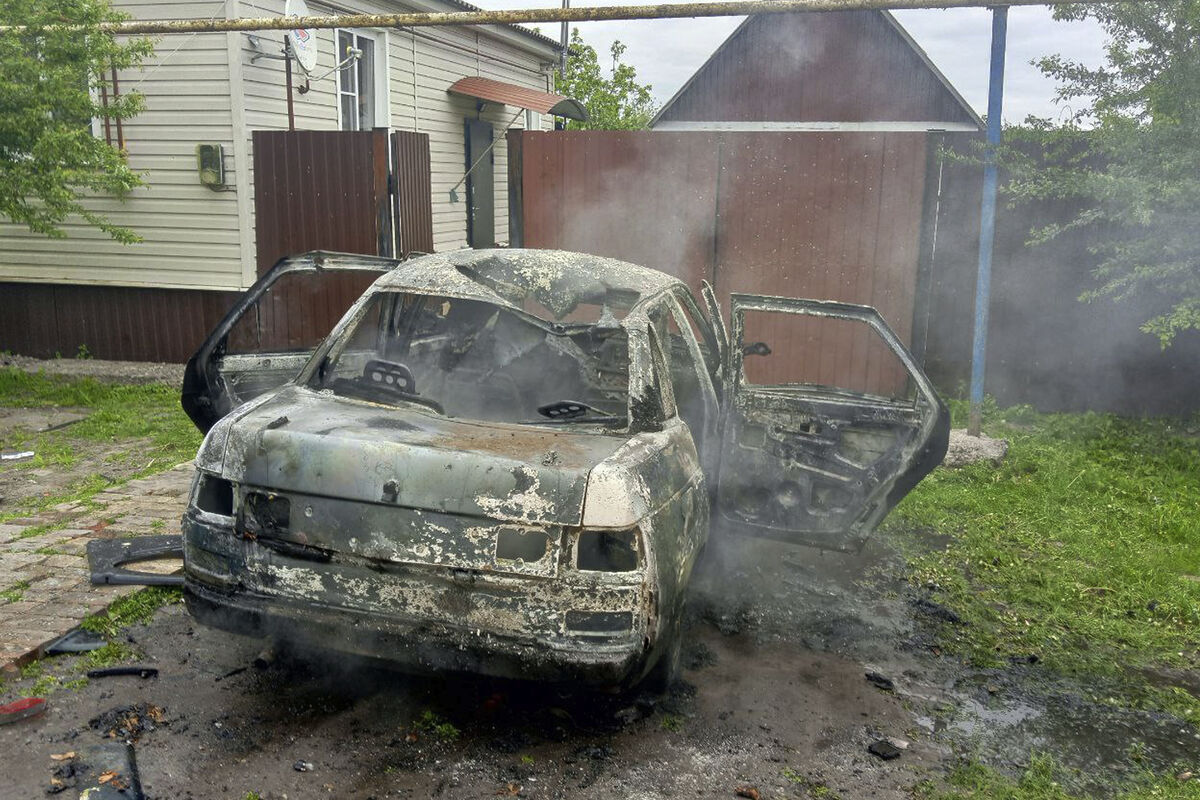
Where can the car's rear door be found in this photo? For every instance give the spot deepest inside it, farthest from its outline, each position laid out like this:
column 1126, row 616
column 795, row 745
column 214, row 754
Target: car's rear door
column 272, row 330
column 829, row 421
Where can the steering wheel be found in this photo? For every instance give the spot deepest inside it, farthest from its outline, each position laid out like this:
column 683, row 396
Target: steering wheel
column 395, row 377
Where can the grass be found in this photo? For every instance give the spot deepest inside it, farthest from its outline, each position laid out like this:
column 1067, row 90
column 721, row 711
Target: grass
column 431, row 724
column 132, row 609
column 149, row 413
column 1082, row 548
column 14, row 593
column 1041, row 782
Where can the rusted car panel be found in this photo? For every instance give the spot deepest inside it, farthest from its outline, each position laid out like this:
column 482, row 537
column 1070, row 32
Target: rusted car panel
column 485, row 466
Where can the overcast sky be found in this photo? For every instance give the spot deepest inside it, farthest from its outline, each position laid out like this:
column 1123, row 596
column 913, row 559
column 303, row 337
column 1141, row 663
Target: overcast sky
column 666, row 52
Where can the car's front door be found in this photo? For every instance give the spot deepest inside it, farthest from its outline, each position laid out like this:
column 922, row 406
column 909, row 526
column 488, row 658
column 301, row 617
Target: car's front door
column 829, row 421
column 272, row 330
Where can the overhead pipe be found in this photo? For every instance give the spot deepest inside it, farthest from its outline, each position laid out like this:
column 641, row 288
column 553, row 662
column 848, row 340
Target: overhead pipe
column 729, row 8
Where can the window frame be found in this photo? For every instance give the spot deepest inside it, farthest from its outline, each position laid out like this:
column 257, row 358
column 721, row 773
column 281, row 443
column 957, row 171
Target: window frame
column 381, row 96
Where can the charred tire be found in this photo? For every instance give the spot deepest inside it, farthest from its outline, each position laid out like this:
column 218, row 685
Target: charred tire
column 666, row 670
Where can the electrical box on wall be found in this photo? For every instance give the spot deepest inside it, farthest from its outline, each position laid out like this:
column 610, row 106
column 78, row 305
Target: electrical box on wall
column 210, row 164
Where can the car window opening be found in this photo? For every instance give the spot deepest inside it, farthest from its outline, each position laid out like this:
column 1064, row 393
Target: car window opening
column 476, row 360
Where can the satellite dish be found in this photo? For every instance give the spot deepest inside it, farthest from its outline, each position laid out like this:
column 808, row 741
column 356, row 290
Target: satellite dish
column 301, row 41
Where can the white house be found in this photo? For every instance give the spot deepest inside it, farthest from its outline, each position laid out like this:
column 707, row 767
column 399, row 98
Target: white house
column 216, row 88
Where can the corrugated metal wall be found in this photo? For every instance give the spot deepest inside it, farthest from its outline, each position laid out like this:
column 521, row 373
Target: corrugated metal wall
column 44, row 320
column 824, row 215
column 320, row 190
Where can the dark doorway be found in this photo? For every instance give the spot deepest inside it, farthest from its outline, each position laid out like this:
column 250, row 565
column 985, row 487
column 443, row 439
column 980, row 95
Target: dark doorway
column 481, row 184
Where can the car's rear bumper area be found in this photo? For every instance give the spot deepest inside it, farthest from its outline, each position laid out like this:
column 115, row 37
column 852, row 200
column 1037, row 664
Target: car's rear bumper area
column 417, row 648
column 219, row 567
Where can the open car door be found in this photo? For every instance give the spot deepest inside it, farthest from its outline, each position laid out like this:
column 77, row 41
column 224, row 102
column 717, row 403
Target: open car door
column 272, row 330
column 829, row 422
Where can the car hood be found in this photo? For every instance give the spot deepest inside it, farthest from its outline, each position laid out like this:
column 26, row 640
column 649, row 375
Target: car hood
column 317, row 443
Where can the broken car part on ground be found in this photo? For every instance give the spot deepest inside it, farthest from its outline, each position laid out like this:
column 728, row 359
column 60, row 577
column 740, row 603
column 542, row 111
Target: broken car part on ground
column 504, row 461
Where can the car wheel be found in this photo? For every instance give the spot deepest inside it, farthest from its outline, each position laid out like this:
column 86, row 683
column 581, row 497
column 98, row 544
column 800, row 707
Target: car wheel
column 666, row 670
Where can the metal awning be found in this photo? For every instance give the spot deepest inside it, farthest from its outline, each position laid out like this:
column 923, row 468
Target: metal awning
column 510, row 94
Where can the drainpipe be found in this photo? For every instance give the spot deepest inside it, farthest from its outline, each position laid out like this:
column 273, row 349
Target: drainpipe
column 987, row 216
column 562, row 57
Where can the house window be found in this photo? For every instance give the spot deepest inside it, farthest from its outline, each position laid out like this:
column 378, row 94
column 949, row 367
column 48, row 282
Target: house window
column 360, row 82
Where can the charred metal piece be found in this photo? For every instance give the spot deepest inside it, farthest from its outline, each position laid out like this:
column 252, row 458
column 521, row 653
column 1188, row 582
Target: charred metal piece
column 108, row 557
column 113, row 672
column 76, row 640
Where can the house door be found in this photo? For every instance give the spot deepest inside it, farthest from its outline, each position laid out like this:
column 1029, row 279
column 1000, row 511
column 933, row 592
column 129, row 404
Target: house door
column 481, row 184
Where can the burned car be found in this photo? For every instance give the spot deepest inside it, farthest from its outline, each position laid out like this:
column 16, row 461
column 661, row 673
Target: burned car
column 505, row 461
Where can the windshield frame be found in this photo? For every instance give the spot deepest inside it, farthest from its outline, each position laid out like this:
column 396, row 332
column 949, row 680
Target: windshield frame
column 635, row 324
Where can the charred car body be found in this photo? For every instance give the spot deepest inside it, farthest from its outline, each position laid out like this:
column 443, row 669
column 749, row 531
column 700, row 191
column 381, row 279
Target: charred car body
column 505, row 461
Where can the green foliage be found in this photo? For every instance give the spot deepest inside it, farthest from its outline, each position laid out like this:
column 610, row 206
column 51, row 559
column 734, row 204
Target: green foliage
column 49, row 90
column 1128, row 159
column 615, row 102
column 433, row 725
column 1081, row 548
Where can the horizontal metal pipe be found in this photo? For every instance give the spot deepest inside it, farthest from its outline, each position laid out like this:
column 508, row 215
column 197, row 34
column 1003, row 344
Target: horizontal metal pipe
column 730, row 8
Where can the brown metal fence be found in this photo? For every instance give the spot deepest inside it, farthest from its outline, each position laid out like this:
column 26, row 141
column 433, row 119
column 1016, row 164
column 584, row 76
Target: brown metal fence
column 823, row 215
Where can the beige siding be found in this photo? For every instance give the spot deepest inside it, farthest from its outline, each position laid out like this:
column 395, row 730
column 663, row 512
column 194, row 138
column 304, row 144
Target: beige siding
column 194, row 237
column 190, row 232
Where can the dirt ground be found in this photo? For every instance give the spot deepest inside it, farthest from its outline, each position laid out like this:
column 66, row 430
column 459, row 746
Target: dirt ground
column 774, row 697
column 99, row 369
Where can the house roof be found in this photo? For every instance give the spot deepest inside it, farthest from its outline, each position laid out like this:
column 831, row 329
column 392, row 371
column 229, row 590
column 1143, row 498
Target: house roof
column 721, row 91
column 540, row 38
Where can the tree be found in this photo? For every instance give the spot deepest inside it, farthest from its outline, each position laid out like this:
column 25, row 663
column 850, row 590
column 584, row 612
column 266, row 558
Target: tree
column 616, row 102
column 1129, row 158
column 50, row 80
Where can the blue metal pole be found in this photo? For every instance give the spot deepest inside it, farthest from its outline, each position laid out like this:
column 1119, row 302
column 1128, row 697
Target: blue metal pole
column 987, row 216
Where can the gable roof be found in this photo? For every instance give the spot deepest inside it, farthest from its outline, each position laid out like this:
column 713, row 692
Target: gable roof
column 854, row 67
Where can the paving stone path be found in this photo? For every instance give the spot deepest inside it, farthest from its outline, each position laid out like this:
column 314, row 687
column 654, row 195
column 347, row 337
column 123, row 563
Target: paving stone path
column 45, row 586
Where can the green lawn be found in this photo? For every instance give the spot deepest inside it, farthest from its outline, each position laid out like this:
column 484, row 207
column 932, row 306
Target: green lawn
column 146, row 419
column 1082, row 548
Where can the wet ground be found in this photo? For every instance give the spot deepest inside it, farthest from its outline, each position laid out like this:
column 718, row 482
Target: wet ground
column 774, row 700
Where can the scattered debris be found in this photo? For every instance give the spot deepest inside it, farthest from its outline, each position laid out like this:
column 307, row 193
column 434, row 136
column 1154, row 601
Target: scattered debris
column 882, row 681
column 265, row 658
column 76, row 640
column 21, row 456
column 747, row 791
column 303, row 766
column 114, row 769
column 22, row 709
column 884, row 749
column 230, row 674
column 966, row 449
column 108, row 557
column 937, row 611
column 129, row 721
column 112, row 672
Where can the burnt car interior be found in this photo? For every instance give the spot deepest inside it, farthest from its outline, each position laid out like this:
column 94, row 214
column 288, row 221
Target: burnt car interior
column 475, row 360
